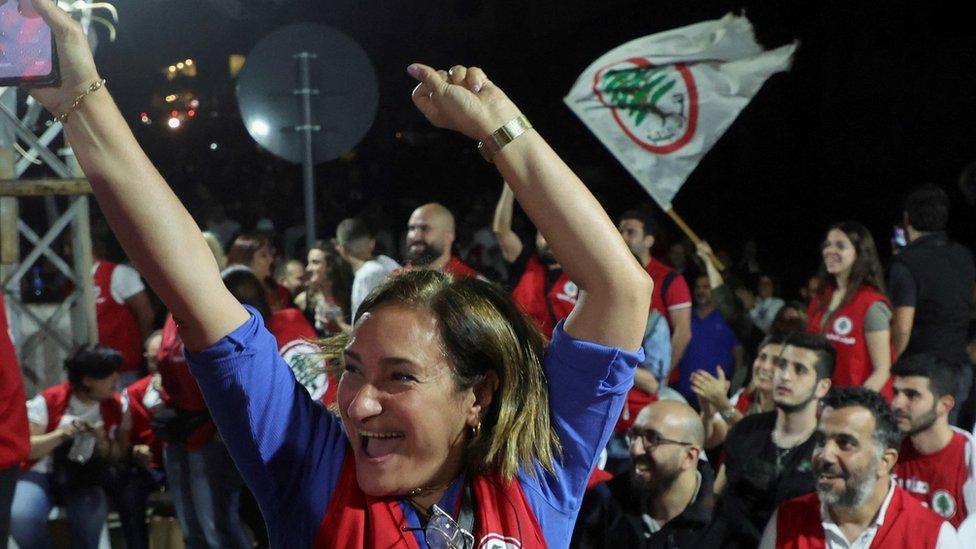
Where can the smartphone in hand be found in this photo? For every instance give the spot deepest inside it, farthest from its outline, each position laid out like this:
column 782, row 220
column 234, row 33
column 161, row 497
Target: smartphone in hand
column 899, row 237
column 27, row 52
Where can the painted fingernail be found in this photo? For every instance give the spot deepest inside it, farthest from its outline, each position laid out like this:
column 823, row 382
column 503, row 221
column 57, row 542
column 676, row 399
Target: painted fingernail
column 476, row 88
column 414, row 70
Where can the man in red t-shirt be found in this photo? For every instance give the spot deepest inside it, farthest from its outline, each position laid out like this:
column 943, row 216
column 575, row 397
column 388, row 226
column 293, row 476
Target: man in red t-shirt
column 542, row 290
column 14, row 432
column 430, row 236
column 671, row 297
column 123, row 310
column 936, row 462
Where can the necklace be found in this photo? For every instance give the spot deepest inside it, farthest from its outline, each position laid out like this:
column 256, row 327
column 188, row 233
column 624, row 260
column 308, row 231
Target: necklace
column 422, row 491
column 783, row 450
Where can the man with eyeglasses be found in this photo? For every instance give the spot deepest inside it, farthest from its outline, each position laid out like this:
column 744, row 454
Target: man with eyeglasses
column 768, row 455
column 665, row 499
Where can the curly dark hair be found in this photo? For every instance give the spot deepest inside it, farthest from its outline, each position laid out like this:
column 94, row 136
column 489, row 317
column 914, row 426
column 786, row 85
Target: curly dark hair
column 886, row 431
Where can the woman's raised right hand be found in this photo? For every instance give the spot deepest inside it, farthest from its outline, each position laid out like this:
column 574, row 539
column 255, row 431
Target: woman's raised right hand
column 76, row 65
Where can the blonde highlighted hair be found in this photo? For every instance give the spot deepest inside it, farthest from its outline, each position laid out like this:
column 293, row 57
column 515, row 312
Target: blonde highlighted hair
column 481, row 330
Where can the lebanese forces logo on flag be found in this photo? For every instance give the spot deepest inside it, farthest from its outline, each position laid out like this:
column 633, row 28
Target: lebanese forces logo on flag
column 656, row 107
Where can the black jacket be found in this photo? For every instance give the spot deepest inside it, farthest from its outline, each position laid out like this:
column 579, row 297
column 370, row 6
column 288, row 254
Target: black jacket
column 611, row 517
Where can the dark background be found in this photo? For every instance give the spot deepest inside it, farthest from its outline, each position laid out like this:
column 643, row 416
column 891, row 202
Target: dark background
column 881, row 98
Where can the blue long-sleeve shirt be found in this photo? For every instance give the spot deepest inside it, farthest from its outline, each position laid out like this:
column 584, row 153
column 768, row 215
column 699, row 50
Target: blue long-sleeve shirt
column 289, row 449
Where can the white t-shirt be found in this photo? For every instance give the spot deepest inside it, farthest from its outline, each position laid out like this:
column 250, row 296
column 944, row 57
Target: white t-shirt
column 152, row 401
column 77, row 410
column 126, row 282
column 373, row 273
column 967, row 531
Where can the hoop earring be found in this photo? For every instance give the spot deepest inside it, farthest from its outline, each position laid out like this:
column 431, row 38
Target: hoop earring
column 476, row 431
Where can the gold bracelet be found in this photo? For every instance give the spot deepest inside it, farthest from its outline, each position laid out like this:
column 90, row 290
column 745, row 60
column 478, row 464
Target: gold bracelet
column 503, row 136
column 94, row 87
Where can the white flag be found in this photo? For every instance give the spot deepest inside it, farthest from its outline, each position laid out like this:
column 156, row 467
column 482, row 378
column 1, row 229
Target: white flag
column 660, row 102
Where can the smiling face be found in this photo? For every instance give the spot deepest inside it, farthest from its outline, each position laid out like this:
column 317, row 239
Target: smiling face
column 430, row 234
column 401, row 408
column 764, row 367
column 838, row 253
column 847, row 462
column 656, row 468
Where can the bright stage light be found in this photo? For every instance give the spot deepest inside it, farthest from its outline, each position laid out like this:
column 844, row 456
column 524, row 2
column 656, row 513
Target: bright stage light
column 173, row 123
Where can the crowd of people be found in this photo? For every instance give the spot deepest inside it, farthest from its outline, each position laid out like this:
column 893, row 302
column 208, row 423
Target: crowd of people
column 594, row 395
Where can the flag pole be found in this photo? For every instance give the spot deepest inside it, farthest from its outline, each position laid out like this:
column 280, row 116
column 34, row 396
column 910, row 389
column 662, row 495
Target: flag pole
column 691, row 234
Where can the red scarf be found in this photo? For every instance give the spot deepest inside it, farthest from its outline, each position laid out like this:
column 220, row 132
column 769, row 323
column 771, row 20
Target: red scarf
column 354, row 519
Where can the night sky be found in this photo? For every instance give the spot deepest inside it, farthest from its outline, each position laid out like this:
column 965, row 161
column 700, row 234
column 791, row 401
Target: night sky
column 881, row 98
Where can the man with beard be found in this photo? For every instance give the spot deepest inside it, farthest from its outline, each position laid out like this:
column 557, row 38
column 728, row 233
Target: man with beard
column 430, row 235
column 767, row 455
column 936, row 462
column 671, row 297
column 543, row 291
column 665, row 499
column 856, row 503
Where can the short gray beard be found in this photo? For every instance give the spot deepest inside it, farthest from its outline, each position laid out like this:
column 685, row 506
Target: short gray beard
column 856, row 491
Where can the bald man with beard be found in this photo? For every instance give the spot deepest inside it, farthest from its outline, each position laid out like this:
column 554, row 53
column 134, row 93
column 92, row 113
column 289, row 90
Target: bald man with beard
column 665, row 499
column 430, row 236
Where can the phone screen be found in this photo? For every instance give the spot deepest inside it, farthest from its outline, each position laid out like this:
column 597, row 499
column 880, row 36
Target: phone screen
column 899, row 237
column 26, row 46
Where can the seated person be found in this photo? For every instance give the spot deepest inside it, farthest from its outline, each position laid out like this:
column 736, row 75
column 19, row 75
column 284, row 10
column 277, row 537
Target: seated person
column 665, row 499
column 857, row 503
column 76, row 428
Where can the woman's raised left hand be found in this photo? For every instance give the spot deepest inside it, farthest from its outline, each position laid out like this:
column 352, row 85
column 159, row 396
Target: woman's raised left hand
column 462, row 99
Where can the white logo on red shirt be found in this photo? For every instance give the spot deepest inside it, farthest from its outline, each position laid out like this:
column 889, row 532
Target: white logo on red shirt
column 843, row 325
column 497, row 541
column 944, row 504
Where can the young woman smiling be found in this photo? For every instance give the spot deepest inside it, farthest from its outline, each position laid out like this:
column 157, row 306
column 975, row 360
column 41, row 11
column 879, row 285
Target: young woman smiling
column 852, row 310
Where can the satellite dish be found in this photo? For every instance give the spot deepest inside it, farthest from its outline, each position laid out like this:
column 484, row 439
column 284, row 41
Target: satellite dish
column 343, row 92
column 307, row 93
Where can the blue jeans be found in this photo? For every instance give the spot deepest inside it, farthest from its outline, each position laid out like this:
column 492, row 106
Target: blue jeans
column 87, row 509
column 206, row 490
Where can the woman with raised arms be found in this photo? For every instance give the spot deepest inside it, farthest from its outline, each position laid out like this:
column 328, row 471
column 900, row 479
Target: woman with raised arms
column 457, row 426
